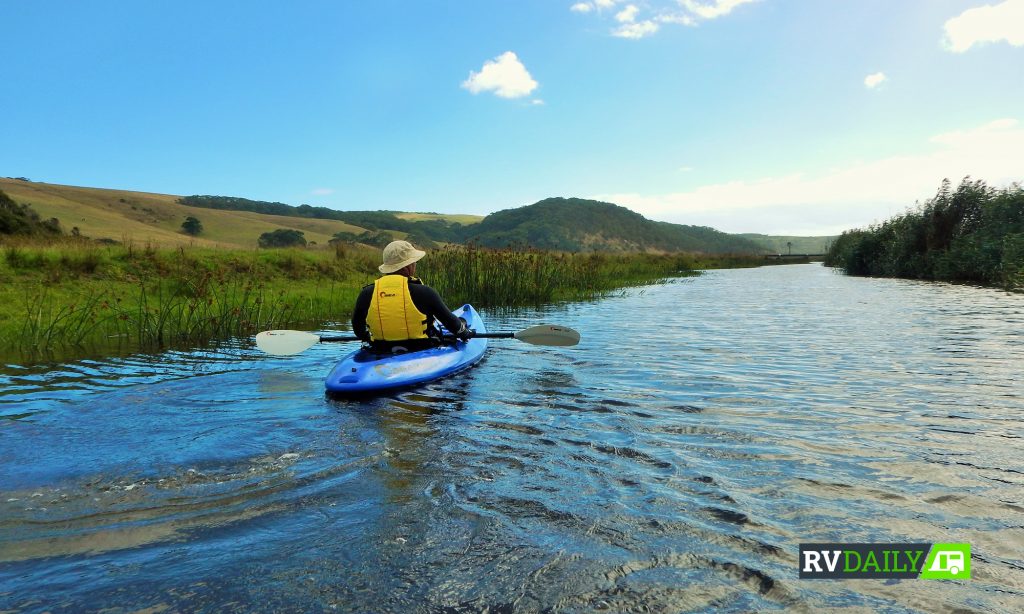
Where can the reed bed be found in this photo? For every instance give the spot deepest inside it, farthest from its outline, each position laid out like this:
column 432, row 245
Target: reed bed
column 166, row 313
column 80, row 294
column 502, row 277
column 972, row 233
column 77, row 294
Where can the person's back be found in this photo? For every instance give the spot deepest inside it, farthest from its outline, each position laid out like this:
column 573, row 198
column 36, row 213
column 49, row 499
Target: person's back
column 398, row 310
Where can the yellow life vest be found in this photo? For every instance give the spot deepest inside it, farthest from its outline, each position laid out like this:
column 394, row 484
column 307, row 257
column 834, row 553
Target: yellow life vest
column 392, row 315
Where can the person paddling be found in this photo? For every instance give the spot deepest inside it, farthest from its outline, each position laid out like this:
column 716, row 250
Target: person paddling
column 397, row 312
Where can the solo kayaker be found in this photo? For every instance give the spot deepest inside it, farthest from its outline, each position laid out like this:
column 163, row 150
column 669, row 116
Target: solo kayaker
column 398, row 310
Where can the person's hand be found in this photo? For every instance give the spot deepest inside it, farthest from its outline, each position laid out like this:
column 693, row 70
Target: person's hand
column 466, row 333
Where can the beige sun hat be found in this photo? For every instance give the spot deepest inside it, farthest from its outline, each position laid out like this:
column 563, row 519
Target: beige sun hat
column 399, row 254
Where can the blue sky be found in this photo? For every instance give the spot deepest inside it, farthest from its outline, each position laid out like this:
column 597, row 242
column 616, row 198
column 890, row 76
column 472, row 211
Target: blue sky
column 775, row 116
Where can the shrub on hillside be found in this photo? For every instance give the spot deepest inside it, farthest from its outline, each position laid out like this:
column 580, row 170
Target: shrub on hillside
column 283, row 237
column 18, row 219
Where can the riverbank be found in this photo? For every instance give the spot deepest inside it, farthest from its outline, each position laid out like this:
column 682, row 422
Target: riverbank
column 77, row 296
column 972, row 234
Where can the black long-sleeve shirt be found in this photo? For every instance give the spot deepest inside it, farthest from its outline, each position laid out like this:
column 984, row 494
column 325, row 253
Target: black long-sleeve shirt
column 426, row 299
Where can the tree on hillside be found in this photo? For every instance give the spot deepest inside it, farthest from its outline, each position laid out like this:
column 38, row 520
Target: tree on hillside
column 192, row 226
column 378, row 238
column 343, row 237
column 283, row 237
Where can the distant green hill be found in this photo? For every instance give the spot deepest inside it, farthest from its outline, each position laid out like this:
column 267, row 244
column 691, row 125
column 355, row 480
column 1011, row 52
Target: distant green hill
column 575, row 224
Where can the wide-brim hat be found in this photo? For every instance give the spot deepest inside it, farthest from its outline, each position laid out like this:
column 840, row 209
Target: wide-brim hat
column 399, row 254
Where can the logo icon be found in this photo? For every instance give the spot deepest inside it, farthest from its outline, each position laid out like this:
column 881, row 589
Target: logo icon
column 948, row 562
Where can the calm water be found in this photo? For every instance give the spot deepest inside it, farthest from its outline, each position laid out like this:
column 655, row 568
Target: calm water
column 672, row 462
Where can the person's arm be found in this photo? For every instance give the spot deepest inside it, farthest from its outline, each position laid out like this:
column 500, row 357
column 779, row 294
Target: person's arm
column 428, row 301
column 359, row 313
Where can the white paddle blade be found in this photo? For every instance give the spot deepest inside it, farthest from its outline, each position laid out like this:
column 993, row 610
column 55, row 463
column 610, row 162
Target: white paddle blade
column 285, row 342
column 546, row 334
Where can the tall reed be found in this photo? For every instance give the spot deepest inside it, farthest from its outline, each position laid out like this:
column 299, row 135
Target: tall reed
column 78, row 293
column 504, row 277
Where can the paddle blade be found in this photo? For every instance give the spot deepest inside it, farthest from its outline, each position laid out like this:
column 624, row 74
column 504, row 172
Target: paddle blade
column 546, row 334
column 285, row 342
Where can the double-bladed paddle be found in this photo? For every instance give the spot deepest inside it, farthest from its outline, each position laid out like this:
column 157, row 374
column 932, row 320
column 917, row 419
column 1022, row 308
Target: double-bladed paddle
column 288, row 342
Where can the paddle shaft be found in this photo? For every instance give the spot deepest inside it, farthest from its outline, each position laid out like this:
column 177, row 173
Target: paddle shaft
column 446, row 338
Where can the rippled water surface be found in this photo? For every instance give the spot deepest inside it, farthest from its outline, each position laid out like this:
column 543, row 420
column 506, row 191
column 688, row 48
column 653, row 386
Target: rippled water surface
column 672, row 462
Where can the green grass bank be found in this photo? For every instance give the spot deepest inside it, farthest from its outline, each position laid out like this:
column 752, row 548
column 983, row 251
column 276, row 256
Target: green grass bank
column 77, row 297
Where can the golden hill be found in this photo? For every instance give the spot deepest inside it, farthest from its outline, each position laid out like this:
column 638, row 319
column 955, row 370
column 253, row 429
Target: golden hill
column 156, row 218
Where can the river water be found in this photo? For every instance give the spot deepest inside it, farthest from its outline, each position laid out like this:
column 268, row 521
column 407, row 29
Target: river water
column 673, row 461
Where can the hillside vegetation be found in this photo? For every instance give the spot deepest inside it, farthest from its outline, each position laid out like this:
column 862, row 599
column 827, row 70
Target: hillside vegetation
column 972, row 234
column 22, row 220
column 423, row 229
column 574, row 224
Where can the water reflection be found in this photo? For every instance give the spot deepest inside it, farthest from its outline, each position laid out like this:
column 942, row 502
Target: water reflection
column 671, row 462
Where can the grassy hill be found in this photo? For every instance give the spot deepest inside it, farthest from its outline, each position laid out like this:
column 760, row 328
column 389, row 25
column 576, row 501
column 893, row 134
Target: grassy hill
column 574, row 224
column 458, row 218
column 156, row 218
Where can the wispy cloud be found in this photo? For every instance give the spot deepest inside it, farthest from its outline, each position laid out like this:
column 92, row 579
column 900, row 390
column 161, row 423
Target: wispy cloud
column 636, row 22
column 986, row 24
column 843, row 198
column 874, row 80
column 322, row 192
column 505, row 75
column 713, row 10
column 636, row 30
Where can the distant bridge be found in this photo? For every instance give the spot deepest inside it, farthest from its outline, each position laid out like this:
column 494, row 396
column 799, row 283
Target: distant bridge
column 796, row 257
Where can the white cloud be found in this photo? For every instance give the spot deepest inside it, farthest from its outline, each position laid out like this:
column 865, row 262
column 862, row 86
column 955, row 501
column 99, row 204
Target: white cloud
column 986, row 24
column 627, row 15
column 844, row 198
column 714, row 10
column 505, row 75
column 537, row 102
column 874, row 80
column 322, row 192
column 678, row 18
column 685, row 169
column 680, row 12
column 636, row 30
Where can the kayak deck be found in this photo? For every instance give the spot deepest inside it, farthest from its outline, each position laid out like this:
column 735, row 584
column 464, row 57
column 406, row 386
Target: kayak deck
column 363, row 371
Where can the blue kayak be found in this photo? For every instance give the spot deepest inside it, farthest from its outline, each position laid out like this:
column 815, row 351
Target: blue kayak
column 363, row 371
